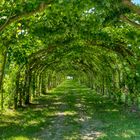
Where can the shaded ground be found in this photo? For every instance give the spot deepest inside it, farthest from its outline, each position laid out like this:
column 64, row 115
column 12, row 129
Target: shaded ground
column 71, row 112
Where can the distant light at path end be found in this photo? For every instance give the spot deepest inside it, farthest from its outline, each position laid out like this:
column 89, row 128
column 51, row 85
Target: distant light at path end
column 69, row 77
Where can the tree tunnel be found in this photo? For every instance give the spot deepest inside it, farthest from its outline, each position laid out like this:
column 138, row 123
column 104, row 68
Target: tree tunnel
column 42, row 42
column 47, row 68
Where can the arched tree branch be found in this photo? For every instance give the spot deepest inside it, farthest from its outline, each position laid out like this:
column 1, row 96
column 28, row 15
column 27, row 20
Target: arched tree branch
column 126, row 19
column 131, row 6
column 15, row 17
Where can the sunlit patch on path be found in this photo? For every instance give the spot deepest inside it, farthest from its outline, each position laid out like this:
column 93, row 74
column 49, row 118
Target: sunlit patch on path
column 71, row 121
column 71, row 112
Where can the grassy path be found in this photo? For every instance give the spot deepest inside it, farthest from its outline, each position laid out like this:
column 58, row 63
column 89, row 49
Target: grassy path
column 70, row 112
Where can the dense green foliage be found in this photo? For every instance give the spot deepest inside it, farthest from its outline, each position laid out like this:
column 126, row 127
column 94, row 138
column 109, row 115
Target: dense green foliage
column 42, row 42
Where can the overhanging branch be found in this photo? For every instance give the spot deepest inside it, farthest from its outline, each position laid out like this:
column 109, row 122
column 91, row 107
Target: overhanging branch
column 131, row 6
column 15, row 18
column 126, row 19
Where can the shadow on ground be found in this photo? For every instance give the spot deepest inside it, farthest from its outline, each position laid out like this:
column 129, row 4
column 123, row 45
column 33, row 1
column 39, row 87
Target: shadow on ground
column 71, row 112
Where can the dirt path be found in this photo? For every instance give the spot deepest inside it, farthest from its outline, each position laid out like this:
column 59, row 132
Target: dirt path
column 88, row 124
column 72, row 120
column 56, row 129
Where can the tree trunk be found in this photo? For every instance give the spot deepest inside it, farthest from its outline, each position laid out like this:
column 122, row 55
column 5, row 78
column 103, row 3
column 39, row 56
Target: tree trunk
column 2, row 77
column 17, row 91
column 20, row 94
column 49, row 82
column 33, row 84
column 27, row 88
column 103, row 86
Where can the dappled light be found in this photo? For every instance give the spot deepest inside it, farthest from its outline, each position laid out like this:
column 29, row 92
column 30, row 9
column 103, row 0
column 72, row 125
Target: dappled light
column 69, row 69
column 71, row 114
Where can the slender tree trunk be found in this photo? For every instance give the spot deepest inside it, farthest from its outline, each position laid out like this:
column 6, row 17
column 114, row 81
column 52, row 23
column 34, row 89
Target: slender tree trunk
column 16, row 92
column 27, row 88
column 49, row 82
column 33, row 84
column 36, row 84
column 40, row 84
column 2, row 77
column 43, row 85
column 20, row 94
column 103, row 86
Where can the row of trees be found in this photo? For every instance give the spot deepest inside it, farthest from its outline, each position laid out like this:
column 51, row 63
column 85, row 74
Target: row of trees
column 41, row 42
